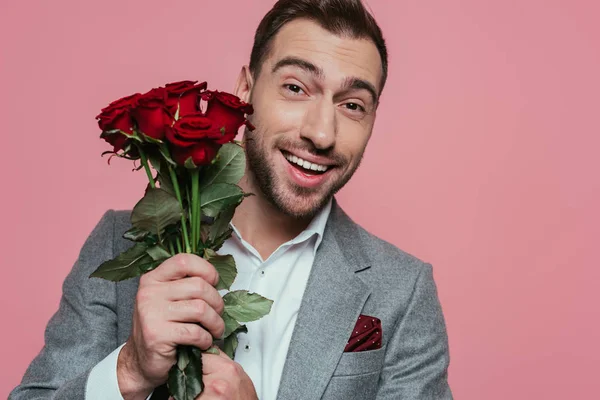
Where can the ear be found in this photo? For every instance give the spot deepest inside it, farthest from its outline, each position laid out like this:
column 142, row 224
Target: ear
column 244, row 84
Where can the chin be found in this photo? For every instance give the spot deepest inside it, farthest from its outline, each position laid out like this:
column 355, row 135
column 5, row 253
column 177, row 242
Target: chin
column 299, row 205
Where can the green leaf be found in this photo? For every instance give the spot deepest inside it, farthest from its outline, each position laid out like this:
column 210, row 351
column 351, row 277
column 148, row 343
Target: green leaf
column 221, row 224
column 204, row 231
column 162, row 173
column 231, row 325
column 225, row 266
column 246, row 307
column 158, row 253
column 231, row 342
column 136, row 235
column 189, row 163
column 218, row 242
column 185, row 376
column 155, row 161
column 230, row 345
column 229, row 166
column 165, row 153
column 166, row 184
column 218, row 197
column 155, row 211
column 134, row 136
column 129, row 264
column 150, row 139
column 110, row 132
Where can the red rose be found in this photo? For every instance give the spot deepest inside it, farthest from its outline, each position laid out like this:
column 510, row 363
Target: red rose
column 151, row 115
column 202, row 153
column 195, row 136
column 117, row 116
column 227, row 112
column 186, row 93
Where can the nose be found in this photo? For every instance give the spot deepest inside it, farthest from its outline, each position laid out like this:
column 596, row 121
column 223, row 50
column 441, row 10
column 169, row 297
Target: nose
column 320, row 125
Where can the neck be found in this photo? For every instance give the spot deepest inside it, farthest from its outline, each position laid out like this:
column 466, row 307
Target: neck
column 263, row 225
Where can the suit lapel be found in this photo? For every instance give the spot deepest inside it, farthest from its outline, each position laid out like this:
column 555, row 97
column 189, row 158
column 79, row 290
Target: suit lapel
column 332, row 302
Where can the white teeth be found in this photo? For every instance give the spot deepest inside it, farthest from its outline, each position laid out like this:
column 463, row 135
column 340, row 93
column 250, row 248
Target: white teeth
column 306, row 164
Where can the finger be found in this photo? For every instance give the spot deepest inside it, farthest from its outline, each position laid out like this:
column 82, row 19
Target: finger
column 194, row 288
column 214, row 349
column 217, row 388
column 182, row 265
column 216, row 364
column 221, row 353
column 179, row 333
column 197, row 311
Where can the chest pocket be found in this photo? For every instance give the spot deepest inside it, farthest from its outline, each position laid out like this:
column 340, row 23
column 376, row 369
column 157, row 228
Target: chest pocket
column 359, row 363
column 356, row 376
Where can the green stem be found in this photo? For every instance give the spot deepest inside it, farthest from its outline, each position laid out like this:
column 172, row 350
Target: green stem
column 178, row 244
column 144, row 160
column 183, row 221
column 171, row 248
column 190, row 213
column 195, row 215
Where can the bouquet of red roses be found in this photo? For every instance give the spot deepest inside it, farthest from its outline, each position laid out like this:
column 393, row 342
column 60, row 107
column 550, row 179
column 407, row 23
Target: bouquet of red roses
column 183, row 137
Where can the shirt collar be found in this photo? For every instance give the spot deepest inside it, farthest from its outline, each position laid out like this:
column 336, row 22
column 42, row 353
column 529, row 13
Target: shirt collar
column 315, row 227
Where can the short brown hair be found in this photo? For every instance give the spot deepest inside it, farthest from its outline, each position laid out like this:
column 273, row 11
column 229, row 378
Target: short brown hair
column 341, row 17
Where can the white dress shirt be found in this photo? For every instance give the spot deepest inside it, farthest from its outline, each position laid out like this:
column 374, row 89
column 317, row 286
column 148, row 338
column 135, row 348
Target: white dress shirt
column 263, row 349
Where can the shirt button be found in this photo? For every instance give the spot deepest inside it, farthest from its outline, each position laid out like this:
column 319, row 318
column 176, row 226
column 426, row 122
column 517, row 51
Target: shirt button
column 262, row 273
column 247, row 348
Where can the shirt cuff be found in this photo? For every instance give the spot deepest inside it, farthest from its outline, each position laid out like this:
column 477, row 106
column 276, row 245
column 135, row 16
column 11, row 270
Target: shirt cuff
column 102, row 383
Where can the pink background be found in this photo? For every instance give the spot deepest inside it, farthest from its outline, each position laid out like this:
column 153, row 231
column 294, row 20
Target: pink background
column 484, row 162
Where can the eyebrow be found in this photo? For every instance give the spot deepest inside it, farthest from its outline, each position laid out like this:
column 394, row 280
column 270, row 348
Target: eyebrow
column 358, row 84
column 350, row 83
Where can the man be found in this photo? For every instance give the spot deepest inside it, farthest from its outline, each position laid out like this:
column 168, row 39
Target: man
column 316, row 73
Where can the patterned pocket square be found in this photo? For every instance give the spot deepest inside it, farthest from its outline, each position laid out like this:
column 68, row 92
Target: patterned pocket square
column 366, row 335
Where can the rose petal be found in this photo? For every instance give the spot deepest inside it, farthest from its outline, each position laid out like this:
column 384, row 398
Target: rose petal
column 152, row 121
column 116, row 119
column 122, row 103
column 202, row 153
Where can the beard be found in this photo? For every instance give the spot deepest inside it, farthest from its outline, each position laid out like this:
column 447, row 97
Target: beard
column 290, row 199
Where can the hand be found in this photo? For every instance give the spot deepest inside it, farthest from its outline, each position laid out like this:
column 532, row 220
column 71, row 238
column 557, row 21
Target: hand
column 171, row 303
column 224, row 379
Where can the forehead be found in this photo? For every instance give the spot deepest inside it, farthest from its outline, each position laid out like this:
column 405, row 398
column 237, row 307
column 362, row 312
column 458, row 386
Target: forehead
column 338, row 56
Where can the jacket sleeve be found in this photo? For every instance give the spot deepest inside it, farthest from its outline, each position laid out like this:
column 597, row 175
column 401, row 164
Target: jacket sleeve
column 417, row 357
column 84, row 329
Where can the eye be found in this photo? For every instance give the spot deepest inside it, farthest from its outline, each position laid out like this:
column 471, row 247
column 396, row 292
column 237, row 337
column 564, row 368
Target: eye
column 293, row 88
column 354, row 107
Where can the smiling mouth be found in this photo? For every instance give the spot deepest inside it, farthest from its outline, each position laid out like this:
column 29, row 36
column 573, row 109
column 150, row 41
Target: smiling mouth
column 304, row 166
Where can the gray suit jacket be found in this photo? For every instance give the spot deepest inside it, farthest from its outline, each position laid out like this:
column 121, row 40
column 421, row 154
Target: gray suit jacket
column 353, row 273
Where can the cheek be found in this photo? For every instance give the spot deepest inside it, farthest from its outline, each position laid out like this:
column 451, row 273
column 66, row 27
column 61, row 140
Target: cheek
column 274, row 113
column 352, row 140
column 278, row 118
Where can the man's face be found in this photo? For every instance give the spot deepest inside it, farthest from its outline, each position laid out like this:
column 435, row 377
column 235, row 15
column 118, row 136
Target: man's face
column 314, row 100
